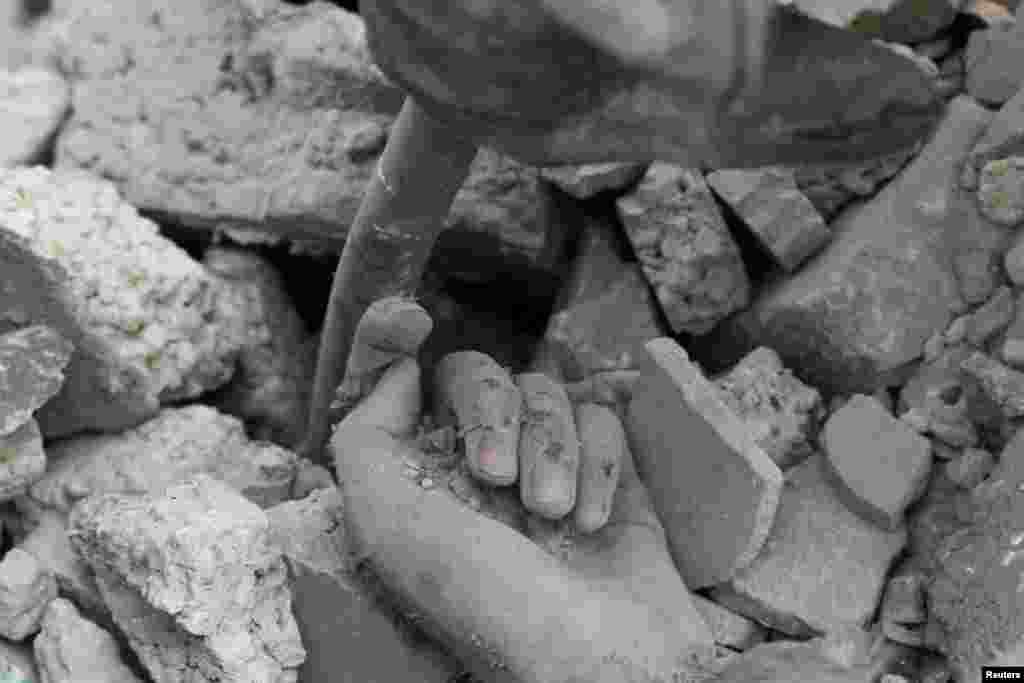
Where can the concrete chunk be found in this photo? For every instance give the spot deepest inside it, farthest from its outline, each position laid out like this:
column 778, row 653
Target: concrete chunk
column 71, row 649
column 876, row 463
column 822, row 569
column 33, row 103
column 728, row 628
column 713, row 487
column 22, row 460
column 780, row 217
column 587, row 180
column 32, row 363
column 26, row 589
column 686, row 251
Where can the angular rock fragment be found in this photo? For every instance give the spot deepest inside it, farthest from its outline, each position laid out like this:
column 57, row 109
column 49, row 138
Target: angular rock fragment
column 32, row 363
column 728, row 628
column 1013, row 261
column 1004, row 385
column 71, row 649
column 971, row 468
column 33, row 102
column 193, row 581
column 605, row 312
column 876, row 463
column 22, row 460
column 177, row 444
column 992, row 62
column 934, row 401
column 271, row 387
column 685, row 248
column 26, row 589
column 220, row 116
column 822, row 568
column 1001, row 190
column 859, row 312
column 975, row 566
column 343, row 631
column 148, row 324
column 830, row 188
column 583, row 182
column 768, row 202
column 779, row 411
column 713, row 487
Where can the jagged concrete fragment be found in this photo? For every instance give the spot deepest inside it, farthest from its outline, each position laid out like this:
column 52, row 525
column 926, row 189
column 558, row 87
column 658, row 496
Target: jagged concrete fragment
column 857, row 314
column 587, row 180
column 875, row 462
column 270, row 389
column 26, row 588
column 33, row 102
column 22, row 460
column 794, row 585
column 148, row 324
column 346, row 636
column 223, row 116
column 71, row 649
column 713, row 487
column 177, row 444
column 780, row 217
column 605, row 311
column 780, row 411
column 193, row 581
column 32, row 363
column 685, row 248
column 974, row 564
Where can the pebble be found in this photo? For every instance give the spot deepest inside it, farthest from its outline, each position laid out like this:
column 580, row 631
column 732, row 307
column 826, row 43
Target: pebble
column 971, row 468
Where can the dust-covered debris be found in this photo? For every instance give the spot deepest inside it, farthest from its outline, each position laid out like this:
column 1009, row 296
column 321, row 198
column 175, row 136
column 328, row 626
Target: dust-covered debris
column 193, row 582
column 148, row 324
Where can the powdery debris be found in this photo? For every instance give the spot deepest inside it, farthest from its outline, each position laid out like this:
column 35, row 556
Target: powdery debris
column 148, row 324
column 197, row 565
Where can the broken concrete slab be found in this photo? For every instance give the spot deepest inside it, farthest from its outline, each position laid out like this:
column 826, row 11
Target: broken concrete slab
column 781, row 412
column 177, row 444
column 780, row 217
column 270, row 389
column 791, row 586
column 32, row 363
column 974, row 565
column 1000, row 193
column 712, row 486
column 222, row 117
column 71, row 649
column 198, row 558
column 347, row 637
column 992, row 59
column 588, row 180
column 33, row 103
column 22, row 460
column 148, row 324
column 1013, row 261
column 26, row 588
column 857, row 314
column 875, row 462
column 605, row 312
column 685, row 248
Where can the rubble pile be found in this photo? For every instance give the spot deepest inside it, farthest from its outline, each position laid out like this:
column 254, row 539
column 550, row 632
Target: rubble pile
column 825, row 364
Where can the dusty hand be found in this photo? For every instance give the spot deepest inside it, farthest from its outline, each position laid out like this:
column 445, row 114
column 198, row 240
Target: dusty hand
column 609, row 607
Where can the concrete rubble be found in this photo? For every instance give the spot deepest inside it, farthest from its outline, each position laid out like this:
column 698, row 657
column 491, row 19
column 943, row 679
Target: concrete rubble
column 148, row 324
column 684, row 247
column 193, row 582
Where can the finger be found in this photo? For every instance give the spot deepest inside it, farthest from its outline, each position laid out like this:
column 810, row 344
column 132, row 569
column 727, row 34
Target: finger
column 392, row 407
column 480, row 397
column 602, row 447
column 549, row 451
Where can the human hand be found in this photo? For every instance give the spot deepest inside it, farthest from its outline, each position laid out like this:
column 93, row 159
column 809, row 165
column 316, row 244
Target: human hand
column 607, row 606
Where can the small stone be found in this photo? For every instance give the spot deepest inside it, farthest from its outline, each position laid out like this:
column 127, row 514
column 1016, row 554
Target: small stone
column 1012, row 350
column 903, row 601
column 685, row 248
column 971, row 468
column 35, row 101
column 720, row 493
column 1001, row 191
column 957, row 330
column 771, row 206
column 893, row 678
column 992, row 317
column 991, row 62
column 583, row 182
column 427, row 483
column 26, row 589
column 32, row 363
column 791, row 586
column 779, row 410
column 935, row 402
column 22, row 460
column 875, row 462
column 72, row 649
column 1004, row 385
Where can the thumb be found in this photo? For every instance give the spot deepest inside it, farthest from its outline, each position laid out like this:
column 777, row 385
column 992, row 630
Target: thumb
column 392, row 407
